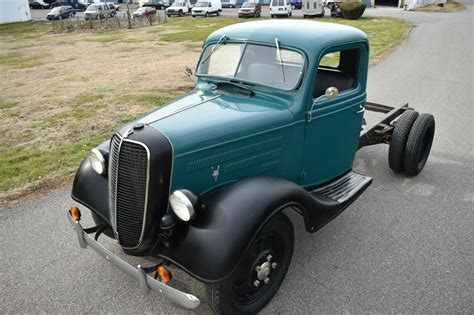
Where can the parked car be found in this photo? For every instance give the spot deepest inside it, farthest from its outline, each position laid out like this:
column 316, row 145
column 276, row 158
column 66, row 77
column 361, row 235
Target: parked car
column 206, row 8
column 39, row 4
column 179, row 8
column 250, row 9
column 201, row 183
column 144, row 11
column 296, row 4
column 335, row 10
column 62, row 12
column 157, row 4
column 78, row 6
column 280, row 8
column 229, row 3
column 313, row 8
column 98, row 11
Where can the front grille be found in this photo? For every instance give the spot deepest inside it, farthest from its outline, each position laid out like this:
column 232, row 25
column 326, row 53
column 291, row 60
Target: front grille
column 128, row 189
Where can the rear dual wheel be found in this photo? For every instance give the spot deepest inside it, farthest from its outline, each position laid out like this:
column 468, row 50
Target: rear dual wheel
column 260, row 273
column 411, row 142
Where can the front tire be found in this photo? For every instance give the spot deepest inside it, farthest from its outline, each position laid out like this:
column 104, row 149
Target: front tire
column 267, row 261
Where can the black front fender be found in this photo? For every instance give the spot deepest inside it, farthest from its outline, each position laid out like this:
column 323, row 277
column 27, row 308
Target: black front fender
column 91, row 190
column 233, row 215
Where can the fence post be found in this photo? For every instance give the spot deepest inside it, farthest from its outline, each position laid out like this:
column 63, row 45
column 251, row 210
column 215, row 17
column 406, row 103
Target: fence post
column 128, row 16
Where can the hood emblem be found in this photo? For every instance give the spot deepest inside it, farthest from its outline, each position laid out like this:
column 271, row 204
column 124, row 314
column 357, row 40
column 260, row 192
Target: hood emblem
column 128, row 133
column 215, row 173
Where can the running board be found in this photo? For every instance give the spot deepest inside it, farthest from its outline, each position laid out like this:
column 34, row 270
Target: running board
column 344, row 188
column 336, row 196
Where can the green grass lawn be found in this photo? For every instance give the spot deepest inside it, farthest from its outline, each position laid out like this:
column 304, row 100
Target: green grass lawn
column 62, row 94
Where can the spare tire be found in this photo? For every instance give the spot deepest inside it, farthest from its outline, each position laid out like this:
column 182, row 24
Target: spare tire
column 396, row 151
column 419, row 144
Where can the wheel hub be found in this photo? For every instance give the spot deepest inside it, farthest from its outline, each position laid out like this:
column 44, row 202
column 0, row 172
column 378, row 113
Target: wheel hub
column 264, row 270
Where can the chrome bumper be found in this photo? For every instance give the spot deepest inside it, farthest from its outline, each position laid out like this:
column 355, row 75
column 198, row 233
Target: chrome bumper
column 186, row 300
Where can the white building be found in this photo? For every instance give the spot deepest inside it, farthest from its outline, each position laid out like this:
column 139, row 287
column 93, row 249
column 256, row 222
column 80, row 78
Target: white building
column 14, row 11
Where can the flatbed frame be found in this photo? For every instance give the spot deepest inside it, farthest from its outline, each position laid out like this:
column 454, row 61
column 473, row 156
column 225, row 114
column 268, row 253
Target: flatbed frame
column 382, row 130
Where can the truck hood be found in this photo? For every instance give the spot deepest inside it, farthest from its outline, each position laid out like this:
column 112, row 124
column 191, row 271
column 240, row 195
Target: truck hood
column 200, row 119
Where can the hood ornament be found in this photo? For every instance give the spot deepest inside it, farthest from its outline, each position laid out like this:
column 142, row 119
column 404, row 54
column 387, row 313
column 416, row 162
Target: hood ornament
column 215, row 173
column 128, row 133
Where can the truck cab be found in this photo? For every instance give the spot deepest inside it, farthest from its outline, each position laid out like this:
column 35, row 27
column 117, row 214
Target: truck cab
column 273, row 123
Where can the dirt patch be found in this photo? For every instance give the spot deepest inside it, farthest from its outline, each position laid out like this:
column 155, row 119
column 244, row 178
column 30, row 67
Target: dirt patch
column 449, row 7
column 32, row 191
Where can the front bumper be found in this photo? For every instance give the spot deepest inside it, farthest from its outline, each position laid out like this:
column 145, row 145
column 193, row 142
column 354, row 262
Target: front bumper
column 247, row 14
column 147, row 282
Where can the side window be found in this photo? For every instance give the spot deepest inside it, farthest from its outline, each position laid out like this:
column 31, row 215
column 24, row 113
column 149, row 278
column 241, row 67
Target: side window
column 339, row 69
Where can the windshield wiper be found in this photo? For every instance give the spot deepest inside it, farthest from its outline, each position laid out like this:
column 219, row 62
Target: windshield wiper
column 238, row 84
column 219, row 44
column 280, row 59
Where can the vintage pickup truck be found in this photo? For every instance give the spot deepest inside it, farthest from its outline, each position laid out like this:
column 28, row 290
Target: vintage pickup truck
column 273, row 123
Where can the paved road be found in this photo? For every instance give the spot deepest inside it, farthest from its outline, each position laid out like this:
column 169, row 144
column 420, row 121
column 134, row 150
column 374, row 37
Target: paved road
column 405, row 246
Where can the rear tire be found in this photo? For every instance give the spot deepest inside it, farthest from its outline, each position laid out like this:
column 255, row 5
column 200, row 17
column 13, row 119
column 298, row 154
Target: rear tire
column 238, row 294
column 419, row 144
column 396, row 151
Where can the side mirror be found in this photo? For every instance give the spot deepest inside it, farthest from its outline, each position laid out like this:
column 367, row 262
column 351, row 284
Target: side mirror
column 331, row 92
column 210, row 5
column 188, row 72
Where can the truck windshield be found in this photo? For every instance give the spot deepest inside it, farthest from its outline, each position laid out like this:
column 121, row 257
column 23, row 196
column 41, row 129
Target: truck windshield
column 178, row 4
column 254, row 63
column 201, row 4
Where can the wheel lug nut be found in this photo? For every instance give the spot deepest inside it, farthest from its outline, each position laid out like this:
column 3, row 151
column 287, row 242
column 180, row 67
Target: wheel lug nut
column 257, row 269
column 269, row 257
column 266, row 280
column 256, row 283
column 274, row 265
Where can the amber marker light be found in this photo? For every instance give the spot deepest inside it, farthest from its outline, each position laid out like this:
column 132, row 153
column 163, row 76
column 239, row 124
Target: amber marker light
column 164, row 274
column 75, row 213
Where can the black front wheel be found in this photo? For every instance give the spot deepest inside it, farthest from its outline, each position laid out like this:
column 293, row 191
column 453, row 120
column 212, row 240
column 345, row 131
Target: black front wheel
column 260, row 273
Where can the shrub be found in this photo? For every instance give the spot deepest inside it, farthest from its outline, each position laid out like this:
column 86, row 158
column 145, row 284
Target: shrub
column 352, row 10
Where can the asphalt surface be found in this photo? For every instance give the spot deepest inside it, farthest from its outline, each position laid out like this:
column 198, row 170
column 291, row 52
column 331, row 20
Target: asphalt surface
column 405, row 246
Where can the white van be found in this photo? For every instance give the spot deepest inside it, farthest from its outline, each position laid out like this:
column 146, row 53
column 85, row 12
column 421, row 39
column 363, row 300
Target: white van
column 179, row 8
column 312, row 8
column 206, row 8
column 280, row 7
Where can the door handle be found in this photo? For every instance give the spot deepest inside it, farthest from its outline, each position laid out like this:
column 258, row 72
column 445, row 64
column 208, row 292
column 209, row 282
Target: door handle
column 362, row 108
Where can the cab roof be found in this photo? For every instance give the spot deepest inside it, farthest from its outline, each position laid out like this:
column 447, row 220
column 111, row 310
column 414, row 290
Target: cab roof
column 309, row 36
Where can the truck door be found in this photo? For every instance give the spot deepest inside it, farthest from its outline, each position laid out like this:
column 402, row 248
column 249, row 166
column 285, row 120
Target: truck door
column 333, row 126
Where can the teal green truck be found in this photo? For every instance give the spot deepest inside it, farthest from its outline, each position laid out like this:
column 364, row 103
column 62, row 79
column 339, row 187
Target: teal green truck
column 273, row 123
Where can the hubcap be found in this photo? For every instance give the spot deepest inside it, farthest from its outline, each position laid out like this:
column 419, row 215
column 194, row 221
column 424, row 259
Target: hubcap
column 264, row 270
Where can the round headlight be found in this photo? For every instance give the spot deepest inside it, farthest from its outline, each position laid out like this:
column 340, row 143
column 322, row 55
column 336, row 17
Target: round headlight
column 98, row 161
column 183, row 202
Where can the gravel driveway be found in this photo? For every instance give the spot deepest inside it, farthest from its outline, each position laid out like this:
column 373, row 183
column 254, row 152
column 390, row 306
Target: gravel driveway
column 405, row 246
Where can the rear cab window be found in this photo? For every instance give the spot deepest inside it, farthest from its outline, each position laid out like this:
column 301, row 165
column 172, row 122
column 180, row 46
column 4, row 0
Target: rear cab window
column 338, row 69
